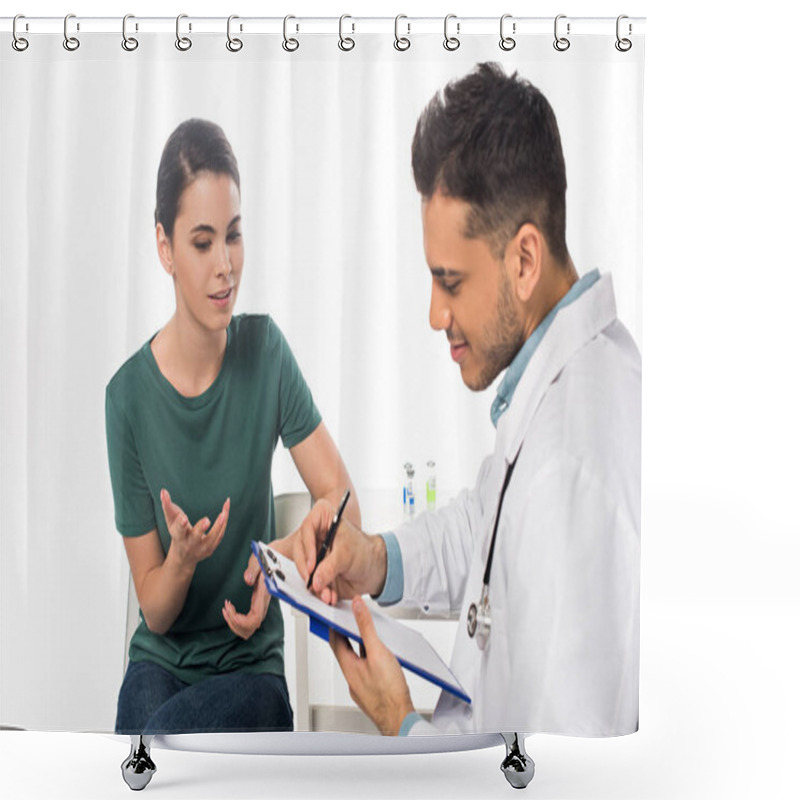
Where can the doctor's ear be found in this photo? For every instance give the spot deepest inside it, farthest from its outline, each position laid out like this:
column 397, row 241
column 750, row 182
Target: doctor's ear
column 523, row 260
column 164, row 246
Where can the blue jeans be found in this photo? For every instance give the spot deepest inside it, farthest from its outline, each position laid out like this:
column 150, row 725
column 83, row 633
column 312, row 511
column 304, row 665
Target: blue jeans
column 153, row 700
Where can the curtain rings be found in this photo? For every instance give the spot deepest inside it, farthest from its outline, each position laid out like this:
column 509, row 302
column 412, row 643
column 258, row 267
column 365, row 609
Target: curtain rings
column 401, row 43
column 71, row 43
column 290, row 44
column 561, row 43
column 345, row 42
column 19, row 43
column 183, row 43
column 506, row 42
column 451, row 42
column 129, row 43
column 233, row 44
column 623, row 45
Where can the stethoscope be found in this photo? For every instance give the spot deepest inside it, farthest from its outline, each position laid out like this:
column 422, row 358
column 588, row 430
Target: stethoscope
column 479, row 617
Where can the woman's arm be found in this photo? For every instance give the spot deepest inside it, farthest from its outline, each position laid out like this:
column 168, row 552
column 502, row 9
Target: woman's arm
column 321, row 467
column 325, row 476
column 162, row 582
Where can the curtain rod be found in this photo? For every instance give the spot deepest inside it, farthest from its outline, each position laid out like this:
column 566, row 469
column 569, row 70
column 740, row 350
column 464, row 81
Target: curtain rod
column 459, row 26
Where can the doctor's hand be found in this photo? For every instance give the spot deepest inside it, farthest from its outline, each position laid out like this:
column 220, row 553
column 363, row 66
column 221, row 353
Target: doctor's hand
column 376, row 681
column 245, row 625
column 193, row 543
column 355, row 564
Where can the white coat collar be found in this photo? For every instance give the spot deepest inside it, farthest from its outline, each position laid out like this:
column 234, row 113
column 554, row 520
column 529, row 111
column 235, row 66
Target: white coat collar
column 573, row 327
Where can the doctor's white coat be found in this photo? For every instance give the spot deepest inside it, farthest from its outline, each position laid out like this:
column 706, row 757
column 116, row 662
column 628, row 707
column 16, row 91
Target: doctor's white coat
column 563, row 654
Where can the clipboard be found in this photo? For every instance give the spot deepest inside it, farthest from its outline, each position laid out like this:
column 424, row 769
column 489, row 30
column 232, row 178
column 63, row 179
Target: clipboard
column 409, row 647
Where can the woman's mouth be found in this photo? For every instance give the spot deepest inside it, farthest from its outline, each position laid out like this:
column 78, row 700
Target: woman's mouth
column 221, row 299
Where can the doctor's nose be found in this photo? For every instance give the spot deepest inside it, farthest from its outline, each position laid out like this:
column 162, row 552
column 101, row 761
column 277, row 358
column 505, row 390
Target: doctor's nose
column 439, row 315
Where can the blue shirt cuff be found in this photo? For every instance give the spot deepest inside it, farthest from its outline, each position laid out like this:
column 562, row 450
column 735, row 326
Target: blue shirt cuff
column 408, row 723
column 393, row 588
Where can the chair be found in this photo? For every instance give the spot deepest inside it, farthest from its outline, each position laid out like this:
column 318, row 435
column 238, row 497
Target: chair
column 290, row 510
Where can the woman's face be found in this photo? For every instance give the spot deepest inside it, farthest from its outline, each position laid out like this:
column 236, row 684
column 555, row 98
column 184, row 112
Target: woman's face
column 206, row 253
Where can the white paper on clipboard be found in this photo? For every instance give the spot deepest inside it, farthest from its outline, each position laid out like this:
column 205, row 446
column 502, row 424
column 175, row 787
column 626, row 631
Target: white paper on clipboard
column 409, row 647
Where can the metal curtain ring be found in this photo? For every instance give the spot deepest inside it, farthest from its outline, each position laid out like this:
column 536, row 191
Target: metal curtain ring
column 561, row 43
column 233, row 44
column 451, row 42
column 289, row 44
column 401, row 42
column 345, row 42
column 19, row 43
column 623, row 45
column 182, row 42
column 129, row 43
column 71, row 43
column 506, row 42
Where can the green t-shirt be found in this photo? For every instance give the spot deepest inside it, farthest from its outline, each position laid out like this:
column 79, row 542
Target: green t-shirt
column 202, row 450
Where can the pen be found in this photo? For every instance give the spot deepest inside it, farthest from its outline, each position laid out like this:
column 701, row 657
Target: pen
column 326, row 545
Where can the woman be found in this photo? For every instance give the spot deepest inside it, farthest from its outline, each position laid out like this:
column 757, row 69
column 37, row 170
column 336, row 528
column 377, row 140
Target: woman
column 192, row 421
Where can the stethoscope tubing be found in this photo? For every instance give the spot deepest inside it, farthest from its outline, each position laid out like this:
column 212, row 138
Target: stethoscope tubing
column 479, row 614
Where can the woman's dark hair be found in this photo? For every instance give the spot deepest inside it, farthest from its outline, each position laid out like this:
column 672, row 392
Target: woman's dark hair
column 492, row 141
column 195, row 146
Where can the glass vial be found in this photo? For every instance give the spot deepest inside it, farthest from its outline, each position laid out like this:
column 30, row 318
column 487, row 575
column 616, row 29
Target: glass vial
column 408, row 490
column 430, row 486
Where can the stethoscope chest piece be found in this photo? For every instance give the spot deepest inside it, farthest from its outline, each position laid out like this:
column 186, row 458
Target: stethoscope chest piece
column 479, row 620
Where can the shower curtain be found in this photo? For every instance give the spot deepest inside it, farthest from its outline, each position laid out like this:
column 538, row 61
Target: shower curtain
column 331, row 221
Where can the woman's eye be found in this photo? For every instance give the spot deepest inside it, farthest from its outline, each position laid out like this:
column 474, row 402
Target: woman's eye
column 202, row 246
column 234, row 236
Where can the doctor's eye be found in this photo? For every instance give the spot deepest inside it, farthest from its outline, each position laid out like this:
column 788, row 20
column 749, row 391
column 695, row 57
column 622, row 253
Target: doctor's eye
column 449, row 286
column 452, row 287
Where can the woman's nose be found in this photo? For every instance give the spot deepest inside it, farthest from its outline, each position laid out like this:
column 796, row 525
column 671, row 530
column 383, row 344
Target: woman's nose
column 224, row 267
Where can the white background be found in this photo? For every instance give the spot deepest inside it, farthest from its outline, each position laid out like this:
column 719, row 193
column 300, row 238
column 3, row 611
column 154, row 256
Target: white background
column 719, row 695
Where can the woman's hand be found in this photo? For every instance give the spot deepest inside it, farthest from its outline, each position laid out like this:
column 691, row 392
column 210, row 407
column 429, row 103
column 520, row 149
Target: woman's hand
column 193, row 543
column 245, row 625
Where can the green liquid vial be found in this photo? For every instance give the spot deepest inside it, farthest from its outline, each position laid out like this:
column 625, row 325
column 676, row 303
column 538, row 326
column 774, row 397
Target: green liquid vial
column 430, row 486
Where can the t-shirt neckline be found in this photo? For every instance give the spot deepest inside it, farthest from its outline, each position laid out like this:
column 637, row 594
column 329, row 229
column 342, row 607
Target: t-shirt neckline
column 172, row 393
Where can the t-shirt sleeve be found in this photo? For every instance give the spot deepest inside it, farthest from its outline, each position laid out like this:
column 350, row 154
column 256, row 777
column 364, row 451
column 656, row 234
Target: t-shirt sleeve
column 133, row 505
column 298, row 415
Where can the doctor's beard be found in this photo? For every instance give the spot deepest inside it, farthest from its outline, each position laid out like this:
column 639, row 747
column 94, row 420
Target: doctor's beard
column 501, row 339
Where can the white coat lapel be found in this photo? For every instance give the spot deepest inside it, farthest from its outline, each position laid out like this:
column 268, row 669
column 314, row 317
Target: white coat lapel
column 573, row 327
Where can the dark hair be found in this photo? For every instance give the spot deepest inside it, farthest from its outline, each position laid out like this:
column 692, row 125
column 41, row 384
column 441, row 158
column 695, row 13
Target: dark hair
column 195, row 146
column 492, row 141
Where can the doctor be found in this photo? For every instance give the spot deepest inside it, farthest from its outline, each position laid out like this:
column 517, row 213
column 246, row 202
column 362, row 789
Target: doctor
column 541, row 557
